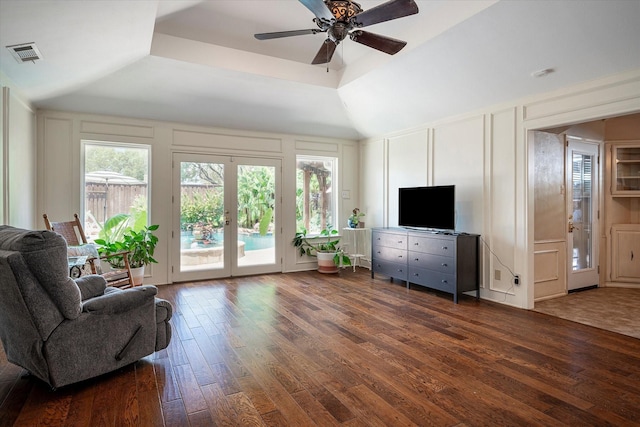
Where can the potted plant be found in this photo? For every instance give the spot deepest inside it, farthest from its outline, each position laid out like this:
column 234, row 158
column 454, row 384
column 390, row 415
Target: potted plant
column 324, row 247
column 354, row 219
column 140, row 246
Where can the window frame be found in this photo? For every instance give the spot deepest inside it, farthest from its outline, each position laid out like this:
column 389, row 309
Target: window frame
column 112, row 144
column 333, row 211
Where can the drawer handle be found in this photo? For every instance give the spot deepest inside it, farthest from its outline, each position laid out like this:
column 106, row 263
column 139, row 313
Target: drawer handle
column 444, row 264
column 444, row 248
column 444, row 281
column 417, row 259
column 399, row 241
column 399, row 256
column 416, row 244
column 631, row 255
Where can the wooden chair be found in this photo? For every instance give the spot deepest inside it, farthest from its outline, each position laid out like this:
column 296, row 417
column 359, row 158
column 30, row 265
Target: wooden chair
column 73, row 233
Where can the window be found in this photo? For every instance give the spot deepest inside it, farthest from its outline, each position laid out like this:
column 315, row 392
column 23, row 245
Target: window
column 116, row 185
column 315, row 194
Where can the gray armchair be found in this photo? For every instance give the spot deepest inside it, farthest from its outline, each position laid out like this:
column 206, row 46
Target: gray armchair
column 64, row 331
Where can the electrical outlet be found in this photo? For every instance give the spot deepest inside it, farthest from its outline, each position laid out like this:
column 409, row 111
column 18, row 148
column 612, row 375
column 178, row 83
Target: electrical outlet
column 497, row 274
column 516, row 279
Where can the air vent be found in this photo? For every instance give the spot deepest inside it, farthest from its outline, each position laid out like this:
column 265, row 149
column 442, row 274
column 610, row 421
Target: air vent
column 27, row 52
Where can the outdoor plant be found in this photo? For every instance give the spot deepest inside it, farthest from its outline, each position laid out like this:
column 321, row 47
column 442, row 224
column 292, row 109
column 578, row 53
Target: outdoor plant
column 199, row 209
column 326, row 242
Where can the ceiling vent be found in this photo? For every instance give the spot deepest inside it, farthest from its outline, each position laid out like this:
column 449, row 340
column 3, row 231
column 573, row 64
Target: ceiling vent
column 27, row 52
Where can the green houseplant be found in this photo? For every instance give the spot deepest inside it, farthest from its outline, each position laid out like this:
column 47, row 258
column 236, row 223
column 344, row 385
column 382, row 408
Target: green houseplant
column 354, row 218
column 324, row 247
column 122, row 233
column 139, row 244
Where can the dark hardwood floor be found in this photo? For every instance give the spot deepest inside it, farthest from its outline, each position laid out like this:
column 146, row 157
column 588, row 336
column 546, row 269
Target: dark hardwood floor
column 307, row 349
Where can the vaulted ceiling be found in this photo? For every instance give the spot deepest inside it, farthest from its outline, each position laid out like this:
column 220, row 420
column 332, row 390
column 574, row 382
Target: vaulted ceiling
column 198, row 62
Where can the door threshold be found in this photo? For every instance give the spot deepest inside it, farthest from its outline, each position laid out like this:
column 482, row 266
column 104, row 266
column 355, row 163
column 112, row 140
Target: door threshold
column 586, row 288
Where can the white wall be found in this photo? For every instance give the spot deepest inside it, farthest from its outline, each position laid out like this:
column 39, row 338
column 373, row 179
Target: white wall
column 486, row 154
column 59, row 159
column 18, row 165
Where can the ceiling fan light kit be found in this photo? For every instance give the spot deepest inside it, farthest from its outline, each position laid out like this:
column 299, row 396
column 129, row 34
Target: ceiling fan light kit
column 342, row 18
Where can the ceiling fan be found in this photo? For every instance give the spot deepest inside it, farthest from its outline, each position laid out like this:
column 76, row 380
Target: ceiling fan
column 342, row 18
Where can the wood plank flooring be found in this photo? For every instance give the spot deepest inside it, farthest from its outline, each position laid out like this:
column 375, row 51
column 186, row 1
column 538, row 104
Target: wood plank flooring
column 306, row 349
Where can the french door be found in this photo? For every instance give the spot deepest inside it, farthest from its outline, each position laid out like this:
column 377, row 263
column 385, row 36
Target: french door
column 226, row 214
column 582, row 209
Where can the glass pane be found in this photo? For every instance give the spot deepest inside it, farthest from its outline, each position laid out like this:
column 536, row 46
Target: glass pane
column 201, row 216
column 314, row 195
column 116, row 182
column 628, row 169
column 582, row 209
column 256, row 215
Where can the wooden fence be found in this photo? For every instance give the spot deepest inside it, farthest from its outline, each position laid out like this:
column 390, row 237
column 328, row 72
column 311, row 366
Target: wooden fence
column 103, row 201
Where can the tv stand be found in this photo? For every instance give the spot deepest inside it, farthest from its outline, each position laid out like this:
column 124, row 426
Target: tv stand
column 446, row 262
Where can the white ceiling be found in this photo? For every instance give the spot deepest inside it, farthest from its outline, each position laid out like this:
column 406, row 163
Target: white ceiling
column 198, row 62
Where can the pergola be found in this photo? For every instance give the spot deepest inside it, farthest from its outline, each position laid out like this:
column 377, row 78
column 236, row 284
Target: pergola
column 322, row 174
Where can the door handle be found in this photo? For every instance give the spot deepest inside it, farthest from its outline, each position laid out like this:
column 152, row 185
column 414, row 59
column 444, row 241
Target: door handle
column 227, row 218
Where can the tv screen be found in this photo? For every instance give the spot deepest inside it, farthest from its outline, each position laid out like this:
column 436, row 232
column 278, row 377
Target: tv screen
column 427, row 207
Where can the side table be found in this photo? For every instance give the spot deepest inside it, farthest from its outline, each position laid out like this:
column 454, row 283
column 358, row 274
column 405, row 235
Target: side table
column 75, row 265
column 359, row 241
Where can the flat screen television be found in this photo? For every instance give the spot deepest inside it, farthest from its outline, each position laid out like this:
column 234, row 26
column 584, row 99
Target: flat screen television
column 427, row 207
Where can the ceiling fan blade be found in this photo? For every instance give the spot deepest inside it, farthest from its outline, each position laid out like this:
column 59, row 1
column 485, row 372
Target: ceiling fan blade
column 280, row 34
column 319, row 9
column 382, row 43
column 325, row 53
column 392, row 9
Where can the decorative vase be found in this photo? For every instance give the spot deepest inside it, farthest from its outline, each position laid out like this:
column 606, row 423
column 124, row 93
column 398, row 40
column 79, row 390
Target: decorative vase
column 352, row 224
column 325, row 262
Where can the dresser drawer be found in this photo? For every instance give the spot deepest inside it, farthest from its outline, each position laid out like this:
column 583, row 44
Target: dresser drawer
column 389, row 254
column 433, row 279
column 391, row 269
column 440, row 263
column 389, row 240
column 432, row 245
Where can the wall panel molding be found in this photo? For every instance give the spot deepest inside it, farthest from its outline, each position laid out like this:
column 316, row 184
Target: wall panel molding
column 320, row 147
column 222, row 141
column 116, row 129
column 58, row 167
column 589, row 98
column 550, row 263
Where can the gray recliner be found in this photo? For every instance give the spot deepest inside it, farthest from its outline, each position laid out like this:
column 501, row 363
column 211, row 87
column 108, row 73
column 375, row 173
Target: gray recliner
column 64, row 331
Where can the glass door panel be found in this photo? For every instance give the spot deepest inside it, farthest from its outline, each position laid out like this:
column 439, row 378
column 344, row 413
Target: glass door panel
column 582, row 255
column 257, row 184
column 582, row 207
column 202, row 217
column 217, row 240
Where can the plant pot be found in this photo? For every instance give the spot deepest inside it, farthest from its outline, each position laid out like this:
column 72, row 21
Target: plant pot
column 137, row 275
column 325, row 262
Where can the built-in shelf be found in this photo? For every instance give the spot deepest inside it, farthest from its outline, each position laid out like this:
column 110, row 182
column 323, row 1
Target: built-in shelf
column 626, row 170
